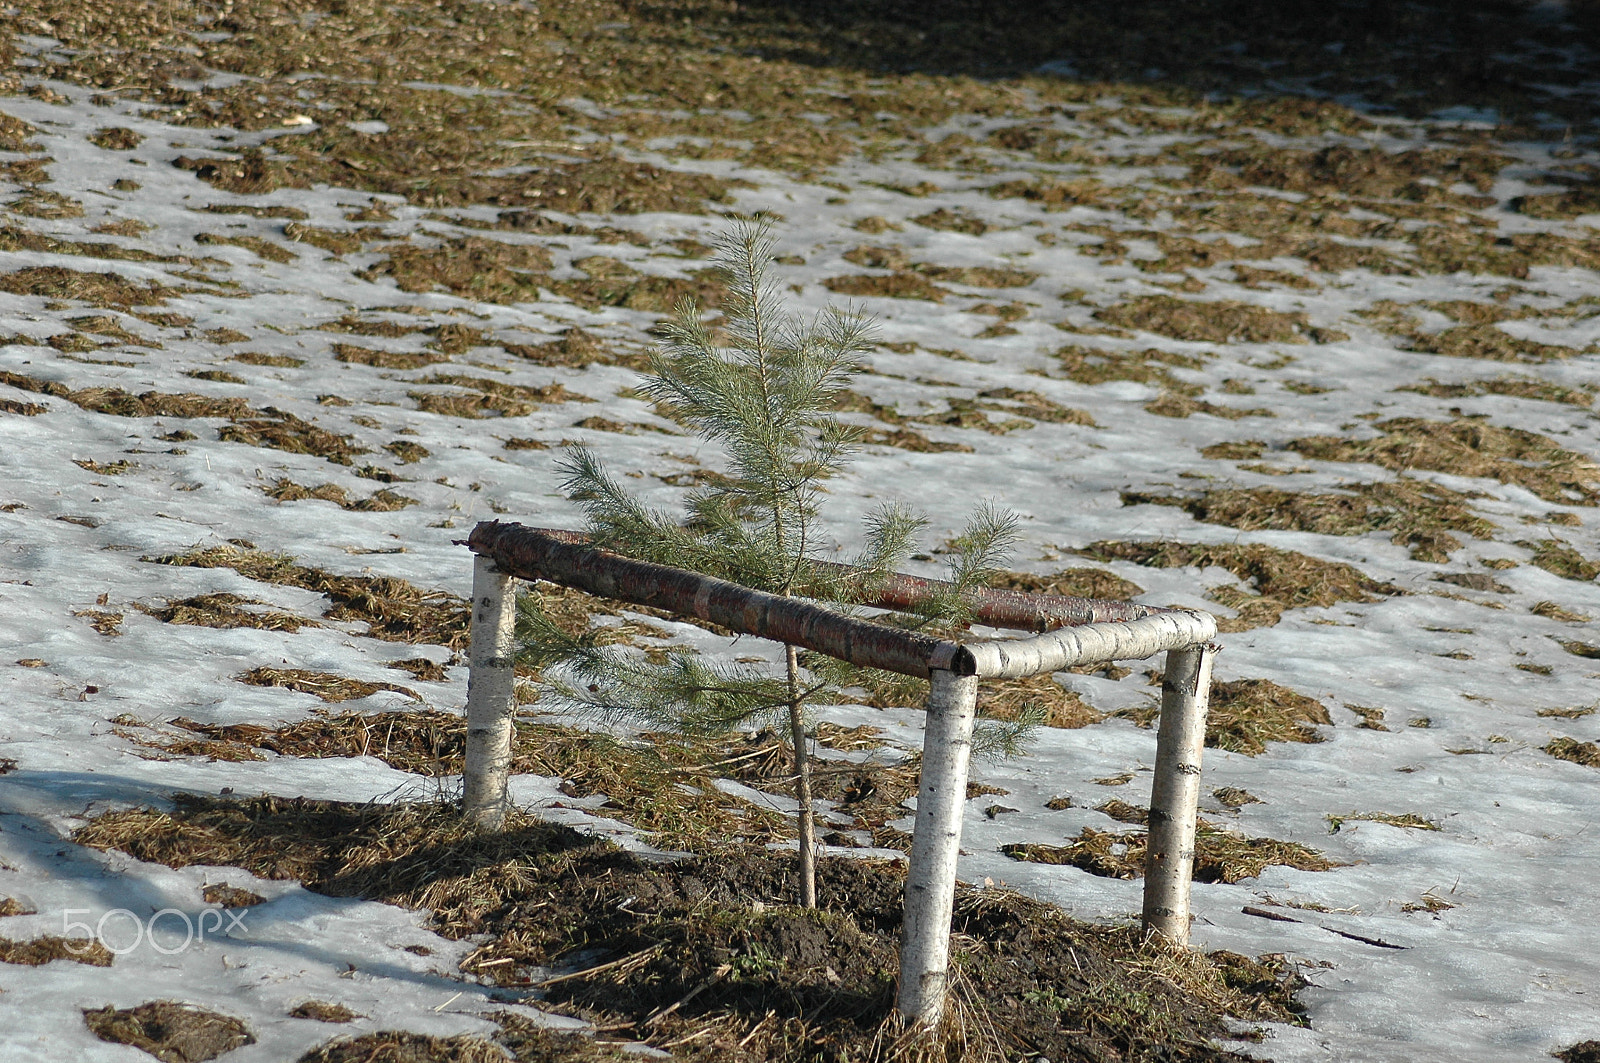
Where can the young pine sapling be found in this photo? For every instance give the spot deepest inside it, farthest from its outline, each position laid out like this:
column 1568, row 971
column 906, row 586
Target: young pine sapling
column 767, row 398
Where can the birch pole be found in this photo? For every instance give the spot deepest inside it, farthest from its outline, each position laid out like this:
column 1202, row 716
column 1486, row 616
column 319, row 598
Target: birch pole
column 1175, row 793
column 931, row 877
column 491, row 695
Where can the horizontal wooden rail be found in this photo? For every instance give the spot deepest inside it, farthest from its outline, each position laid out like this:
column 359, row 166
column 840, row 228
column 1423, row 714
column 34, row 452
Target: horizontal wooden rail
column 1094, row 630
column 1068, row 647
column 530, row 553
column 1017, row 610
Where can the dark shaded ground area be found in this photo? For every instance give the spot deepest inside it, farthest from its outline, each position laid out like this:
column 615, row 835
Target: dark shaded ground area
column 1412, row 57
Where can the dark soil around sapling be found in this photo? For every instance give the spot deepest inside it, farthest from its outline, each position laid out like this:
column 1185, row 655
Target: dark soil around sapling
column 708, row 957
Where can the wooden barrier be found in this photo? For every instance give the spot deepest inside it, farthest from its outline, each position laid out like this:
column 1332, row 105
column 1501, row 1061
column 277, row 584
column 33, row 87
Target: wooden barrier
column 1092, row 631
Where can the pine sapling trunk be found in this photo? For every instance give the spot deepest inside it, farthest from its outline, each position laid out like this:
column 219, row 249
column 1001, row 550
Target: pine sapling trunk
column 802, row 784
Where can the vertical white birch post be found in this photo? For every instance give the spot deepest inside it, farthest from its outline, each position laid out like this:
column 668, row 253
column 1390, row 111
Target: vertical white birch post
column 491, row 695
column 931, row 878
column 1175, row 794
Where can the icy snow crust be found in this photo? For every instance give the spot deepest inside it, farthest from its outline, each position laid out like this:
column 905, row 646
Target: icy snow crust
column 1507, row 973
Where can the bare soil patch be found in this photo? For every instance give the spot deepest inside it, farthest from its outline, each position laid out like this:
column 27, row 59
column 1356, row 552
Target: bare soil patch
column 172, row 1032
column 706, row 954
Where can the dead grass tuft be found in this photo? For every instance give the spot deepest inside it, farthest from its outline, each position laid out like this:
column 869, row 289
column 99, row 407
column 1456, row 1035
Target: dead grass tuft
column 1585, row 753
column 382, row 501
column 1073, row 583
column 326, row 685
column 120, row 403
column 488, row 398
column 902, row 284
column 1516, row 387
column 259, row 246
column 336, row 242
column 224, row 611
column 282, row 430
column 14, row 238
column 1554, row 611
column 1174, row 404
column 1095, row 365
column 1489, row 343
column 347, row 352
column 1246, row 714
column 172, row 1032
column 275, row 361
column 1561, row 559
column 610, row 282
column 1421, row 515
column 472, row 267
column 1219, row 855
column 574, row 349
column 1221, row 321
column 394, row 1046
column 1468, row 447
column 1409, row 820
column 947, row 220
column 231, row 896
column 1280, row 579
column 1041, row 696
column 394, row 610
column 322, row 1011
column 1234, row 797
column 97, row 289
column 16, row 135
column 43, row 950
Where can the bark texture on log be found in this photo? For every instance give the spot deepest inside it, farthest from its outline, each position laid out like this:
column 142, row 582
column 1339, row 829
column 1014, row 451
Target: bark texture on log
column 1069, row 646
column 1015, row 610
column 1175, row 793
column 491, row 696
column 935, row 846
column 529, row 553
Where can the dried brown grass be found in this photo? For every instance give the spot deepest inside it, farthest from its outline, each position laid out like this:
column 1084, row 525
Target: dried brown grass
column 328, row 686
column 1561, row 558
column 1585, row 753
column 223, row 611
column 259, row 246
column 47, row 948
column 119, row 403
column 170, row 1031
column 1468, row 447
column 488, row 398
column 382, row 501
column 281, row 430
column 1280, row 579
column 1220, row 855
column 1221, row 321
column 394, row 610
column 1516, row 387
column 97, row 289
column 1408, row 820
column 1420, row 515
column 350, row 353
